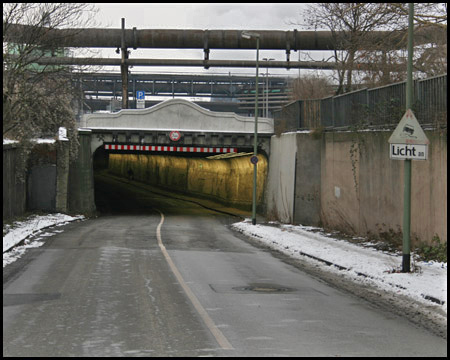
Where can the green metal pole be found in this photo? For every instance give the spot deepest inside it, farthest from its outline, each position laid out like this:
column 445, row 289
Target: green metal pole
column 406, row 262
column 255, row 145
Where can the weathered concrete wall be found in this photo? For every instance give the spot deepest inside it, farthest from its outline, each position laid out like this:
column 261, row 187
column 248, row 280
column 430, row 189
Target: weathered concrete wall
column 42, row 177
column 228, row 181
column 307, row 180
column 340, row 205
column 14, row 191
column 53, row 182
column 361, row 189
column 81, row 178
column 364, row 193
column 281, row 178
column 41, row 188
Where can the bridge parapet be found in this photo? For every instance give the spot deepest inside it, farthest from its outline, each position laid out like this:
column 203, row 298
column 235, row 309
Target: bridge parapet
column 177, row 114
column 178, row 122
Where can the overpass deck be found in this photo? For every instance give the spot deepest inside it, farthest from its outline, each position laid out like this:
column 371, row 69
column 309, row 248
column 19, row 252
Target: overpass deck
column 178, row 126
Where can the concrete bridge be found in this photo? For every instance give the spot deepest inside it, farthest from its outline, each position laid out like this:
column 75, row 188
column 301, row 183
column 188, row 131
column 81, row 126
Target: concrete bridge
column 177, row 126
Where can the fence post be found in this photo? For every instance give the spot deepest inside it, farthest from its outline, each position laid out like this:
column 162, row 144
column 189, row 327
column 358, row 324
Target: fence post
column 332, row 111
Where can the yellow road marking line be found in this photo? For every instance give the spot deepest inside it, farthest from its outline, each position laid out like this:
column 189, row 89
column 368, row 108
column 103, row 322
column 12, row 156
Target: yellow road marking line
column 220, row 338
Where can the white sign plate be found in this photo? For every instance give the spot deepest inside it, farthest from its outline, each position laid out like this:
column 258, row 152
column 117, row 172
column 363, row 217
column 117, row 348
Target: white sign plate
column 408, row 151
column 408, row 131
column 140, row 104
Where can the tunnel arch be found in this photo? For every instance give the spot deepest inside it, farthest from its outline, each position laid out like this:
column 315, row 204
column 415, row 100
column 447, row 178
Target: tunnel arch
column 227, row 181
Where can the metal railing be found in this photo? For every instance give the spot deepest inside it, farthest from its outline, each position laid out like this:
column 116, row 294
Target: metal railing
column 381, row 106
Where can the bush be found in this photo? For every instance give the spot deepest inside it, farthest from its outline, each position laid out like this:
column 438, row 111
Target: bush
column 437, row 251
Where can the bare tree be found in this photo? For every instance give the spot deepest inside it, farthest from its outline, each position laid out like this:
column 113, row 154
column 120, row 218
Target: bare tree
column 431, row 19
column 37, row 99
column 383, row 64
column 311, row 87
column 355, row 21
column 430, row 51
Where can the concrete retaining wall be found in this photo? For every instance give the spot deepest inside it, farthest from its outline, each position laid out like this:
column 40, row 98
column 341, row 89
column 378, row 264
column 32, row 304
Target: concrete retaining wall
column 281, row 178
column 53, row 182
column 307, row 187
column 228, row 181
column 346, row 181
column 81, row 178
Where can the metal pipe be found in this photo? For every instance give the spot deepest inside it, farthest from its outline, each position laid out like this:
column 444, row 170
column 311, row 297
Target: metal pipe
column 187, row 62
column 124, row 67
column 216, row 39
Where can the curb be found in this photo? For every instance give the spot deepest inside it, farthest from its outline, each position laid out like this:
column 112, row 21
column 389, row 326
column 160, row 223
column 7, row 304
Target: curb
column 340, row 267
column 426, row 297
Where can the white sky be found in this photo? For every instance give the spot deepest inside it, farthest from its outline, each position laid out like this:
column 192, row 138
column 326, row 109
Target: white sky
column 204, row 16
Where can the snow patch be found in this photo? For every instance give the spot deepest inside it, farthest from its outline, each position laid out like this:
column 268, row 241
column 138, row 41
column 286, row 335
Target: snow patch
column 354, row 261
column 20, row 230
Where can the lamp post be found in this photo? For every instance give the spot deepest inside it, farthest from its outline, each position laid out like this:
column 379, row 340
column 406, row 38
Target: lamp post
column 248, row 35
column 267, row 86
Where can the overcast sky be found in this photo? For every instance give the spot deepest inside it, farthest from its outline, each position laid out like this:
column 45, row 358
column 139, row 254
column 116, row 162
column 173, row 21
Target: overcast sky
column 204, row 16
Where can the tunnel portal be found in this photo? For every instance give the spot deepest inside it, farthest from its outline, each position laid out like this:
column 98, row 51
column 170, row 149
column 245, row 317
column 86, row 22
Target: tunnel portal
column 225, row 178
column 229, row 181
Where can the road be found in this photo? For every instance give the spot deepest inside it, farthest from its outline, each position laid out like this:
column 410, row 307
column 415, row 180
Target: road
column 156, row 276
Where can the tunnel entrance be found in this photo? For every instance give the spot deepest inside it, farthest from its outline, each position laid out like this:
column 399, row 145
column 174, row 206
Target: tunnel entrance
column 226, row 178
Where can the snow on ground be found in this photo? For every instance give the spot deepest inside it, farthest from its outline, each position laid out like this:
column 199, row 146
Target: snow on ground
column 361, row 263
column 33, row 225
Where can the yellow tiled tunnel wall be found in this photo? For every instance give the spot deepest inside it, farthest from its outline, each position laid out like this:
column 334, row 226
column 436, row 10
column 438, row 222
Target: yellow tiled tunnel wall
column 229, row 181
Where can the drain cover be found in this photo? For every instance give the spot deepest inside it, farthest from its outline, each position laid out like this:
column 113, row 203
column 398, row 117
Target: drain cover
column 264, row 288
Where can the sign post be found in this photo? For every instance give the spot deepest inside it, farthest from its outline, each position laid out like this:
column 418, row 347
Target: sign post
column 248, row 35
column 408, row 142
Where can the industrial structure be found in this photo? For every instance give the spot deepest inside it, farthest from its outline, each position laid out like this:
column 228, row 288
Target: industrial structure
column 124, row 39
column 232, row 93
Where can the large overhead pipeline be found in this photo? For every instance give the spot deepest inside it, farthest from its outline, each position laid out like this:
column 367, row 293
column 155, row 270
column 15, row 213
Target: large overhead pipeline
column 181, row 62
column 205, row 39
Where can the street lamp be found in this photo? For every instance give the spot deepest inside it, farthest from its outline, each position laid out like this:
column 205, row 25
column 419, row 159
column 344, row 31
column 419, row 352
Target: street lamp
column 267, row 85
column 249, row 35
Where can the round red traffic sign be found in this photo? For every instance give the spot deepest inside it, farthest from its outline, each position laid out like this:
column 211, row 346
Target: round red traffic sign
column 174, row 135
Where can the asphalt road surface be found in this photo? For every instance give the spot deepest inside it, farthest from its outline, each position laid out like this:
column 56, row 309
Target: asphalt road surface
column 156, row 276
